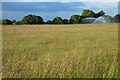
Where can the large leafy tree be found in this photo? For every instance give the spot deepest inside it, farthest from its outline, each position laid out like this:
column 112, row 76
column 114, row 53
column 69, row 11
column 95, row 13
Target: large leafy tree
column 6, row 22
column 57, row 20
column 75, row 19
column 88, row 13
column 32, row 19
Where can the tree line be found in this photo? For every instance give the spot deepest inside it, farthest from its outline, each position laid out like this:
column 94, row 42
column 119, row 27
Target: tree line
column 74, row 19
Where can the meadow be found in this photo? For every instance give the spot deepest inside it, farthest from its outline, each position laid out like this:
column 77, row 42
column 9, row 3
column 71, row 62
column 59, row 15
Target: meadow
column 60, row 51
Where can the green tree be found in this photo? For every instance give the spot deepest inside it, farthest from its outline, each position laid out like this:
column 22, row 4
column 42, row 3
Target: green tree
column 116, row 18
column 57, row 20
column 65, row 21
column 6, row 22
column 88, row 13
column 75, row 19
column 0, row 22
column 18, row 22
column 13, row 22
column 49, row 22
column 100, row 13
column 32, row 19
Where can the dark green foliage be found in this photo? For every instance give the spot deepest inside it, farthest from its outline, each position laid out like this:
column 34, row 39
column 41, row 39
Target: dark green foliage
column 32, row 19
column 88, row 13
column 101, row 13
column 116, row 18
column 6, row 22
column 18, row 23
column 75, row 19
column 0, row 22
column 65, row 21
column 49, row 22
column 14, row 22
column 82, row 17
column 57, row 20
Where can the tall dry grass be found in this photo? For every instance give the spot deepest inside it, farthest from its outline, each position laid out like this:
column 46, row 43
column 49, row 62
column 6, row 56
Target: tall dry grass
column 60, row 51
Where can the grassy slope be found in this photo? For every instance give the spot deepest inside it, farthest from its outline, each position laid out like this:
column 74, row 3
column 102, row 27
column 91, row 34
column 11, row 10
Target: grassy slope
column 85, row 51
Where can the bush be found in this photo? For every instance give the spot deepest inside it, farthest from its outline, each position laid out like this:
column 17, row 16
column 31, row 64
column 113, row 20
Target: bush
column 75, row 19
column 57, row 20
column 49, row 22
column 65, row 21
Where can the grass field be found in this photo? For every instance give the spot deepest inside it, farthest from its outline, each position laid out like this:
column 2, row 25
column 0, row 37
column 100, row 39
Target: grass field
column 60, row 51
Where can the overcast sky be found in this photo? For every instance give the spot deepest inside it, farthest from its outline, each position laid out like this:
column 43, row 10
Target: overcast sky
column 49, row 10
